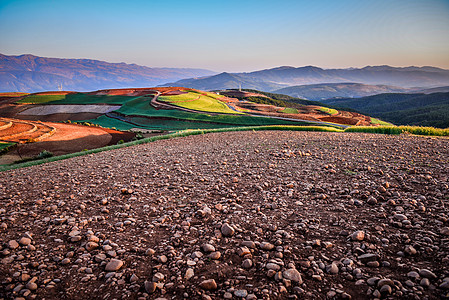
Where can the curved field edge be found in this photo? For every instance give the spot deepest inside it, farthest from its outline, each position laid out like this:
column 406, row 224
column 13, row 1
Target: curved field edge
column 178, row 134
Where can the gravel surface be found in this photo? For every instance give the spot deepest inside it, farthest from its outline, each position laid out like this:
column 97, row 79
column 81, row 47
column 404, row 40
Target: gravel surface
column 240, row 215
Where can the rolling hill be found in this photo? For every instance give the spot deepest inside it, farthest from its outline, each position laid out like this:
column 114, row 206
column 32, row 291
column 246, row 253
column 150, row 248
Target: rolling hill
column 224, row 81
column 333, row 90
column 402, row 109
column 272, row 79
column 29, row 73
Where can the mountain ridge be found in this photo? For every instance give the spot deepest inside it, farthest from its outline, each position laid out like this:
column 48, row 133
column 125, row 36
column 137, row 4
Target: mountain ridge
column 403, row 77
column 30, row 73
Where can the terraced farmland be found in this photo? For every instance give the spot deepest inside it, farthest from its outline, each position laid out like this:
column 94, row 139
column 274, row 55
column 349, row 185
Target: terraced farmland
column 207, row 102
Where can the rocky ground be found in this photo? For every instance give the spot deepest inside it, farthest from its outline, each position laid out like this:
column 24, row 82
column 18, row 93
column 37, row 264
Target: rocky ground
column 255, row 215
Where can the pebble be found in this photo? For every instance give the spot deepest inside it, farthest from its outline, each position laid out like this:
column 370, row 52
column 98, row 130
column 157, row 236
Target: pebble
column 113, row 265
column 293, row 275
column 208, row 248
column 208, row 284
column 25, row 241
column 359, row 235
column 227, row 230
column 241, row 293
column 427, row 274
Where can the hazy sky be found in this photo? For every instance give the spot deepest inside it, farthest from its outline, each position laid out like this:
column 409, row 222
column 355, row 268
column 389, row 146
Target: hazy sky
column 230, row 35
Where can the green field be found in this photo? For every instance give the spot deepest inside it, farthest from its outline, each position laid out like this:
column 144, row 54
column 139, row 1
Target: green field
column 41, row 99
column 198, row 101
column 328, row 110
column 5, row 146
column 380, row 122
column 289, row 110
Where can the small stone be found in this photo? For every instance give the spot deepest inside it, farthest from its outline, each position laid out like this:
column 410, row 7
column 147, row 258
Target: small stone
column 293, row 275
column 425, row 282
column 91, row 246
column 208, row 284
column 410, row 250
column 189, row 274
column 427, row 274
column 371, row 200
column 227, row 230
column 114, row 265
column 241, row 293
column 31, row 286
column 215, row 255
column 359, row 235
column 332, row 269
column 150, row 286
column 412, row 274
column 273, row 266
column 364, row 258
column 242, row 251
column 162, row 259
column 372, row 281
column 12, row 244
column 25, row 241
column 400, row 217
column 247, row 263
column 385, row 281
column 150, row 252
column 208, row 248
column 266, row 246
column 444, row 231
column 158, row 277
column 133, row 278
column 386, row 289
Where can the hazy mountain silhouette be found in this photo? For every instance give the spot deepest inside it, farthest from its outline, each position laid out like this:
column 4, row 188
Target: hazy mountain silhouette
column 266, row 80
column 29, row 73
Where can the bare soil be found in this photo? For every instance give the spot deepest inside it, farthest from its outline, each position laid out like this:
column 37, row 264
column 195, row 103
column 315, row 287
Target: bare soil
column 258, row 215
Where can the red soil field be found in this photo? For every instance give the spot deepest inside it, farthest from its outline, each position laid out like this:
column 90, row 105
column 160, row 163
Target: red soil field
column 340, row 120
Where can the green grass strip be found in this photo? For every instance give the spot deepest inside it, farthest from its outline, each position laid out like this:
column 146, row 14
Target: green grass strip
column 427, row 131
column 183, row 133
column 4, row 147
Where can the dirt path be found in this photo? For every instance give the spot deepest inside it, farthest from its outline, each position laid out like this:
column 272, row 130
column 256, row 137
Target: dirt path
column 255, row 215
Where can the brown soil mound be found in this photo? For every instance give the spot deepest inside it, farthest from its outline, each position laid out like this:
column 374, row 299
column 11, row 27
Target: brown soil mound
column 340, row 120
column 18, row 128
column 266, row 215
column 57, row 138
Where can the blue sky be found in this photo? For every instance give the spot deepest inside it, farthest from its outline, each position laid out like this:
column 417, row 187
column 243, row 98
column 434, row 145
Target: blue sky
column 231, row 35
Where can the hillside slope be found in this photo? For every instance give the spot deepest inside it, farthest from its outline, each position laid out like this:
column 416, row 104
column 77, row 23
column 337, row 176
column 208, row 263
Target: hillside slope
column 29, row 73
column 402, row 109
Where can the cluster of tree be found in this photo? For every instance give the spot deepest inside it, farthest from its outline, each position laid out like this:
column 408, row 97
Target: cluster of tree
column 402, row 109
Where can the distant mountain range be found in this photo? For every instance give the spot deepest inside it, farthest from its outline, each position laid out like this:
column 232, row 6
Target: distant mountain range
column 332, row 90
column 323, row 91
column 274, row 79
column 29, row 73
column 401, row 109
